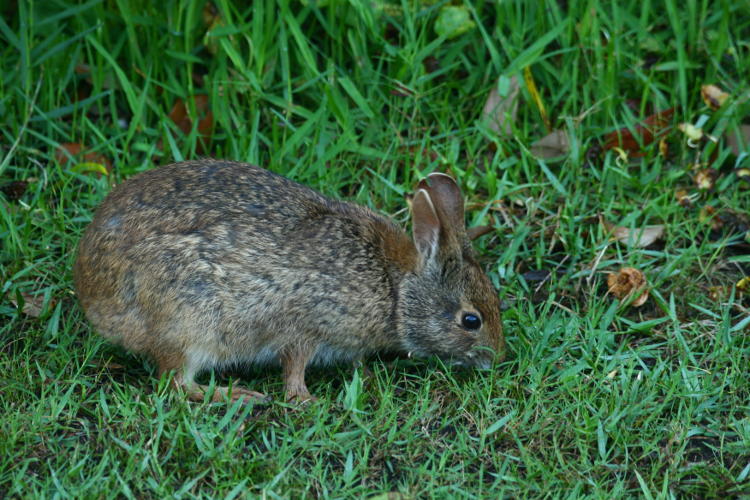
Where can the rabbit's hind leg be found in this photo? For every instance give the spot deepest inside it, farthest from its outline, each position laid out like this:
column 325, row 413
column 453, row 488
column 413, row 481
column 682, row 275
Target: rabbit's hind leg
column 183, row 380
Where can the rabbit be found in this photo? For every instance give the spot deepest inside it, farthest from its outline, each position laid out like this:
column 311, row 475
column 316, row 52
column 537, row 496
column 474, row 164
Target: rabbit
column 209, row 263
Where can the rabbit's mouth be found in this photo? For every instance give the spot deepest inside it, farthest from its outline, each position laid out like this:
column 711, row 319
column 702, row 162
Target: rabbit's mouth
column 477, row 359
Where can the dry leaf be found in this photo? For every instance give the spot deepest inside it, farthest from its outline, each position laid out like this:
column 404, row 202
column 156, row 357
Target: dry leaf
column 713, row 96
column 499, row 112
column 181, row 117
column 639, row 237
column 739, row 141
column 212, row 20
column 552, row 145
column 708, row 214
column 33, row 305
column 14, row 189
column 629, row 282
column 91, row 162
column 109, row 81
column 431, row 64
column 663, row 147
column 655, row 127
column 475, row 232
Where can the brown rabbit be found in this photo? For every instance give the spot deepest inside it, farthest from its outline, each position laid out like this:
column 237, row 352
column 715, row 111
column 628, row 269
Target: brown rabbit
column 209, row 263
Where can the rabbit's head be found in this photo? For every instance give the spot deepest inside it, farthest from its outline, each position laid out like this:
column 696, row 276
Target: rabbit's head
column 447, row 305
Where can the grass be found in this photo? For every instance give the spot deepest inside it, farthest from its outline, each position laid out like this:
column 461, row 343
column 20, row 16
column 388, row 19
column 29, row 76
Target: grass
column 597, row 399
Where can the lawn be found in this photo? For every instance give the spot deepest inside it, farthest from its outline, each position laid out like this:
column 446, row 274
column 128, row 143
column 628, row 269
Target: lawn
column 606, row 392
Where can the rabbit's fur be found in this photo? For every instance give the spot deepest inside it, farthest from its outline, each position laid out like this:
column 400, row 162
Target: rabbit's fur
column 207, row 263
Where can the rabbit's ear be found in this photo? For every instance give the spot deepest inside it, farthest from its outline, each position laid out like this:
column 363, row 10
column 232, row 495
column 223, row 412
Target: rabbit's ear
column 449, row 203
column 426, row 224
column 449, row 207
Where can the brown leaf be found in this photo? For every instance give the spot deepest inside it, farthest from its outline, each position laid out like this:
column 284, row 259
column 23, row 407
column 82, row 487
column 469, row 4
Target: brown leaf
column 627, row 283
column 109, row 81
column 14, row 190
column 632, row 142
column 637, row 238
column 79, row 152
column 475, row 232
column 552, row 145
column 499, row 112
column 33, row 305
column 739, row 141
column 431, row 64
column 713, row 96
column 181, row 117
column 709, row 214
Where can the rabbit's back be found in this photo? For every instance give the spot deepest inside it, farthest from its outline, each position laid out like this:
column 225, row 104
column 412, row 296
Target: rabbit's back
column 232, row 262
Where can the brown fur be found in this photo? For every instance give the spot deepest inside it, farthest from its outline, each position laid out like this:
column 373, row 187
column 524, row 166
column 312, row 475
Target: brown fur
column 207, row 263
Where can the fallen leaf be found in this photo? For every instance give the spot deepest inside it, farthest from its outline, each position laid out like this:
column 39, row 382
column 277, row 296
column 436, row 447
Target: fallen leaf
column 708, row 214
column 90, row 161
column 14, row 190
column 654, row 127
column 727, row 223
column 627, row 283
column 431, row 64
column 552, row 145
column 210, row 15
column 739, row 141
column 181, row 117
column 33, row 305
column 637, row 238
column 713, row 96
column 454, row 20
column 499, row 111
column 212, row 20
column 663, row 147
column 475, row 232
column 108, row 81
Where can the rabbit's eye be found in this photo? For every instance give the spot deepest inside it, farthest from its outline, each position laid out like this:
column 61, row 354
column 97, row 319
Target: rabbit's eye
column 471, row 321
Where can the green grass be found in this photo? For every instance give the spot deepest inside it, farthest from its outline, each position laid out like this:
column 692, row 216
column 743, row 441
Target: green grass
column 596, row 399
